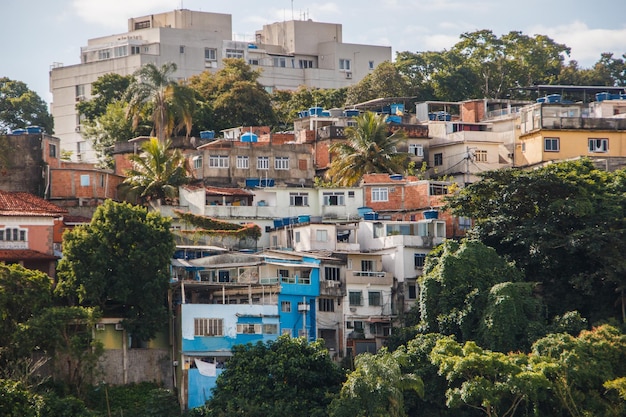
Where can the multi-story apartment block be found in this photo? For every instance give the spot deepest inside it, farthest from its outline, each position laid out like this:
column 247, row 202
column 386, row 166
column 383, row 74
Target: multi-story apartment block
column 553, row 130
column 289, row 53
column 469, row 137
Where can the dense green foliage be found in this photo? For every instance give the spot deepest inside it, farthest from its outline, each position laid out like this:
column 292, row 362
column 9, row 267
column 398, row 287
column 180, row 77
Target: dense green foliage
column 21, row 107
column 156, row 173
column 283, row 377
column 563, row 225
column 367, row 149
column 120, row 262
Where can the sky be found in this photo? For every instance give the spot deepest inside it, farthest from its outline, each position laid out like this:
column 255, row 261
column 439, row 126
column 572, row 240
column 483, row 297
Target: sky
column 34, row 34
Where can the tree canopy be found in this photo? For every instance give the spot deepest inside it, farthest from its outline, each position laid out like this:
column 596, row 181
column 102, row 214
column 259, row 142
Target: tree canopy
column 368, row 149
column 289, row 376
column 21, row 107
column 563, row 225
column 120, row 262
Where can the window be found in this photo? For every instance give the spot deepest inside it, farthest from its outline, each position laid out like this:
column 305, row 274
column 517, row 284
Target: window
column 101, row 180
column 210, row 54
column 218, row 161
column 285, row 306
column 119, row 51
column 523, row 146
column 242, row 162
column 367, row 265
column 134, row 50
column 380, row 194
column 419, row 259
column 249, row 328
column 371, row 65
column 181, row 49
column 53, row 150
column 262, row 162
column 438, row 189
column 355, row 298
column 305, row 63
column 344, row 64
column 142, row 25
column 197, row 161
column 350, row 194
column 417, row 150
column 281, row 162
column 334, row 199
column 331, row 273
column 208, row 327
column 104, row 54
column 412, row 291
column 280, row 62
column 299, row 199
column 326, row 304
column 551, row 144
column 598, row 145
column 270, row 329
column 438, row 159
column 84, row 180
column 297, row 237
column 374, row 298
column 234, row 53
column 13, row 234
column 480, row 156
column 321, row 235
column 465, row 223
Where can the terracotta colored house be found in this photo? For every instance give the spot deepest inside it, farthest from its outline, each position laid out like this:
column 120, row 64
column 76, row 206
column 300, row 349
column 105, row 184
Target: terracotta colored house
column 27, row 231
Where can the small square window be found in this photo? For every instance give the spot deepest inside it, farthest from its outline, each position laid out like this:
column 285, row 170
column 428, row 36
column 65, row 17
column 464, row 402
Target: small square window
column 84, row 180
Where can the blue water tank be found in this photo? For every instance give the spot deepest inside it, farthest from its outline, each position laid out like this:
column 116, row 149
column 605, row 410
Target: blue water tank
column 393, row 119
column 432, row 116
column 325, row 113
column 207, row 134
column 363, row 210
column 249, row 137
column 304, row 219
column 351, row 113
column 278, row 223
column 431, row 214
column 19, row 132
column 252, row 182
column 315, row 111
column 602, row 96
column 287, row 221
column 372, row 215
column 395, row 177
column 397, row 108
column 554, row 98
column 31, row 130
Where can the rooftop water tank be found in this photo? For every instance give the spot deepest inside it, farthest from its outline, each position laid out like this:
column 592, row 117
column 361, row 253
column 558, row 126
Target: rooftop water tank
column 316, row 111
column 248, row 137
column 207, row 134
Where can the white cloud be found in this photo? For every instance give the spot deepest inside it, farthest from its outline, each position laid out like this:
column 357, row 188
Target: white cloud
column 586, row 44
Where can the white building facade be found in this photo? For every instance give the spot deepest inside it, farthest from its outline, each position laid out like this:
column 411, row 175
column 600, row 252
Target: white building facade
column 289, row 54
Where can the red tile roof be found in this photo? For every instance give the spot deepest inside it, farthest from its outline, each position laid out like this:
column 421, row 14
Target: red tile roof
column 24, row 254
column 25, row 204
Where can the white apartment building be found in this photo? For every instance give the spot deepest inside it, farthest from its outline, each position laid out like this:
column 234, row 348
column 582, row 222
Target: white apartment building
column 289, row 54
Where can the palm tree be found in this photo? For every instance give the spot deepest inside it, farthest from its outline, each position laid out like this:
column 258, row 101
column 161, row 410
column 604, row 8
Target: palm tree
column 154, row 90
column 156, row 173
column 367, row 150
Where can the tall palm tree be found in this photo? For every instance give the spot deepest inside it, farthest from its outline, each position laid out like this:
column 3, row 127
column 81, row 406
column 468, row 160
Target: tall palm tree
column 367, row 149
column 156, row 173
column 170, row 103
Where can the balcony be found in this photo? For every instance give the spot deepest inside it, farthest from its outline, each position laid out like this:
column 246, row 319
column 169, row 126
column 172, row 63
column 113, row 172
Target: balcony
column 369, row 277
column 332, row 288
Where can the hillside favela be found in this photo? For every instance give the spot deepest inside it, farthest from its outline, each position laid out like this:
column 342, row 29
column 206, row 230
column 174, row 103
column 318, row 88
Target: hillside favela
column 301, row 225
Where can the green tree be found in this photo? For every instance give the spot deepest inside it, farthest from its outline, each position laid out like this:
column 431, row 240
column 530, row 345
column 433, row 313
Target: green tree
column 368, row 149
column 495, row 383
column 455, row 289
column 376, row 387
column 385, row 81
column 287, row 104
column 563, row 225
column 24, row 293
column 578, row 368
column 282, row 377
column 21, row 107
column 120, row 262
column 171, row 104
column 234, row 95
column 156, row 173
column 107, row 89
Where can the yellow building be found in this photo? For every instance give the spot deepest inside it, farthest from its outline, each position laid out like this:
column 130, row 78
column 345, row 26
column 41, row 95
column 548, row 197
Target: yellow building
column 553, row 131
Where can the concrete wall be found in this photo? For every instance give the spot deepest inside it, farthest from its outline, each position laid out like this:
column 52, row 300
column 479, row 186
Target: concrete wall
column 144, row 365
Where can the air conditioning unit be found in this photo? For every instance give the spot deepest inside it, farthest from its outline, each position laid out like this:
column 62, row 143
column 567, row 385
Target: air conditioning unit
column 118, row 326
column 332, row 284
column 80, row 98
column 352, row 309
column 100, row 327
column 303, row 307
column 348, row 74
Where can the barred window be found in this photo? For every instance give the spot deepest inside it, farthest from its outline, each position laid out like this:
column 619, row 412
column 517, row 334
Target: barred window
column 208, row 327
